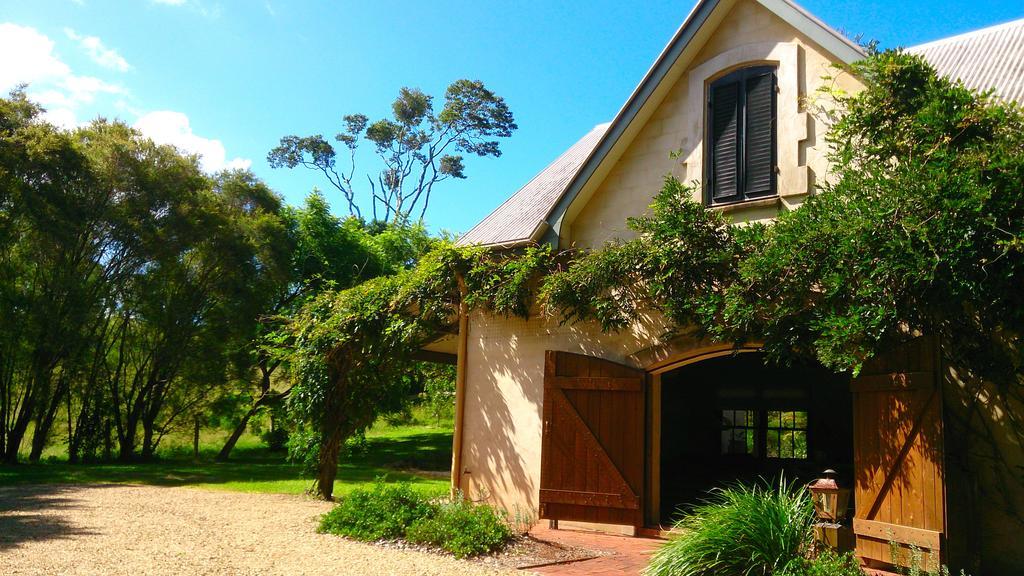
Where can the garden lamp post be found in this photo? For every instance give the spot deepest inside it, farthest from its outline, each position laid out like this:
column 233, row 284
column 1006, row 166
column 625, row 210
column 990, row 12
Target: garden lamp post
column 830, row 503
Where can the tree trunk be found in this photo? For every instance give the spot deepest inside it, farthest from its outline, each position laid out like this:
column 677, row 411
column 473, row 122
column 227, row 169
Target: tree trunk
column 225, row 452
column 327, row 467
column 126, row 438
column 195, row 440
column 263, row 400
column 44, row 423
column 108, row 446
column 15, row 435
column 39, row 436
column 148, row 450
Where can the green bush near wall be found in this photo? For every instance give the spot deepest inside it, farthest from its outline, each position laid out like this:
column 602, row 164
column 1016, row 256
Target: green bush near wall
column 462, row 528
column 382, row 512
column 393, row 511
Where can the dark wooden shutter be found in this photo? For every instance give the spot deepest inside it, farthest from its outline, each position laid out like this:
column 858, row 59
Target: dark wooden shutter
column 759, row 135
column 592, row 456
column 898, row 455
column 725, row 140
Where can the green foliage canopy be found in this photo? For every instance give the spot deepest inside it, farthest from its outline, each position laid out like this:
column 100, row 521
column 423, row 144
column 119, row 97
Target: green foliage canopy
column 417, row 147
column 917, row 230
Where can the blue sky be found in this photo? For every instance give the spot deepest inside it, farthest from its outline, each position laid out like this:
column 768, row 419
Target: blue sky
column 228, row 78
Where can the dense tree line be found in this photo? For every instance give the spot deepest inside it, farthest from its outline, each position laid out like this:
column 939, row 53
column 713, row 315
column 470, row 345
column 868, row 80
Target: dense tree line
column 139, row 294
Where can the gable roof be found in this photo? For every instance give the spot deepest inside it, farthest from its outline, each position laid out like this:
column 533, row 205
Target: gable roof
column 990, row 58
column 520, row 219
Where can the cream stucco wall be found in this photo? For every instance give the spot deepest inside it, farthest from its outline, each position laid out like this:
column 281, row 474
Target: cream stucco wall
column 504, row 399
column 749, row 35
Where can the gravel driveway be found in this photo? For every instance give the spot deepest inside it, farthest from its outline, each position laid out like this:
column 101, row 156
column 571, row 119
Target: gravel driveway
column 118, row 529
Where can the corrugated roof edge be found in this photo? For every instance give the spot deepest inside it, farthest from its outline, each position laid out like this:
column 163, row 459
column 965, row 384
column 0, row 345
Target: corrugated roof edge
column 967, row 35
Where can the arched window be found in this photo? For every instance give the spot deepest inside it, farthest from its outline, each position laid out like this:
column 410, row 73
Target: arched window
column 741, row 149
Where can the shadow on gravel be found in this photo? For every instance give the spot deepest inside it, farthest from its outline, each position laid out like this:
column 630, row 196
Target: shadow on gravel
column 39, row 512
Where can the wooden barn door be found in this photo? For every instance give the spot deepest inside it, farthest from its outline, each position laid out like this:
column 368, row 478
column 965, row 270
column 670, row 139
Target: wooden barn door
column 898, row 455
column 592, row 459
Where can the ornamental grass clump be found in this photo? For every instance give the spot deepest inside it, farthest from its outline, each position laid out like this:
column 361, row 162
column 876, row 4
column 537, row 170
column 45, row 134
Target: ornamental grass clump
column 740, row 531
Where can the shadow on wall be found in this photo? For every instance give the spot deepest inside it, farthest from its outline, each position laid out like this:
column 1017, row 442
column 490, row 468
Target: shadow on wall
column 985, row 469
column 38, row 513
column 505, row 398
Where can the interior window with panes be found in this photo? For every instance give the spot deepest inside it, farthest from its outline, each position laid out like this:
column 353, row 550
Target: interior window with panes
column 739, row 432
column 741, row 148
column 786, row 434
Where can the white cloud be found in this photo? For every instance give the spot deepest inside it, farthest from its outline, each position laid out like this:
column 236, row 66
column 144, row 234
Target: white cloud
column 169, row 127
column 100, row 54
column 201, row 7
column 83, row 89
column 63, row 117
column 28, row 57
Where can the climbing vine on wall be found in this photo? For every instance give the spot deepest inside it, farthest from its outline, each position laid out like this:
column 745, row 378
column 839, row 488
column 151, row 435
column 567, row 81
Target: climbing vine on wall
column 919, row 229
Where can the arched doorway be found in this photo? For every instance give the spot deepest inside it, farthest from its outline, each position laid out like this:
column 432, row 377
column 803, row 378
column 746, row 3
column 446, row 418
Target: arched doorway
column 735, row 417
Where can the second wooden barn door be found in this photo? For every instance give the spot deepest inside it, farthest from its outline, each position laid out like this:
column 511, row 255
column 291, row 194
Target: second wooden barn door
column 592, row 459
column 898, row 455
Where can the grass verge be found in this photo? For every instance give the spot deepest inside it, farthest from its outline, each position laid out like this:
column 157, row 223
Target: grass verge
column 417, row 454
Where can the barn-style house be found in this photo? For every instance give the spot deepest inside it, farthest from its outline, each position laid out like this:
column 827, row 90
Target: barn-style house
column 617, row 431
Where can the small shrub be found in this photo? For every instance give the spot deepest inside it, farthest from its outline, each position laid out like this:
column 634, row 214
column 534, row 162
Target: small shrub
column 402, row 417
column 523, row 520
column 739, row 531
column 275, row 439
column 355, row 445
column 462, row 528
column 382, row 512
column 303, row 448
column 826, row 563
column 911, row 562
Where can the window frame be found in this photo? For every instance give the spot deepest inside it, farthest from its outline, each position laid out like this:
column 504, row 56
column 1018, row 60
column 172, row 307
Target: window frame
column 760, row 412
column 784, row 427
column 752, row 425
column 740, row 76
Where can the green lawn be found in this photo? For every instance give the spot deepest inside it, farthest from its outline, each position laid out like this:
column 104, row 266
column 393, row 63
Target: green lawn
column 416, row 453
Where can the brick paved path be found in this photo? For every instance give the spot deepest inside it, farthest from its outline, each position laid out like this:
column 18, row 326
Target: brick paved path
column 626, row 555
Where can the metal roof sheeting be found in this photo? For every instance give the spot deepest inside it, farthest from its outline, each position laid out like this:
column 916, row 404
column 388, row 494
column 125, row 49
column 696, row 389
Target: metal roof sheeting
column 987, row 59
column 517, row 219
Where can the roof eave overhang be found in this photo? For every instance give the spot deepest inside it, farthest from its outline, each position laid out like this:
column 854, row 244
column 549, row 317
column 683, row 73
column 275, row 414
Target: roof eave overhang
column 535, row 237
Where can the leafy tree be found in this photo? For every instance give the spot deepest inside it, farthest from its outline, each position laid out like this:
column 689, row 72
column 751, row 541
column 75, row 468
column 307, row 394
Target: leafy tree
column 353, row 350
column 68, row 249
column 325, row 253
column 417, row 147
column 438, row 390
column 131, row 281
